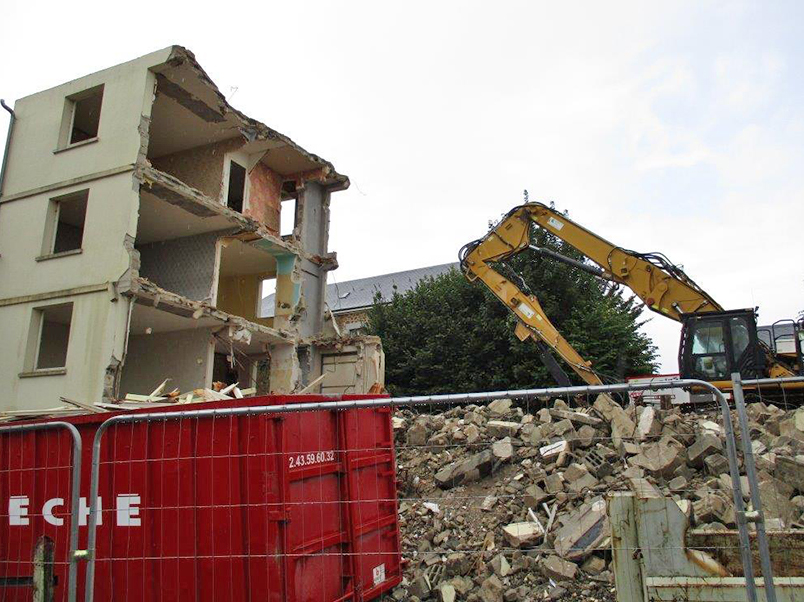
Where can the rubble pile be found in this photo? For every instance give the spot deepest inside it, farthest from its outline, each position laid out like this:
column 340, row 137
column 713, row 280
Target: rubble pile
column 499, row 503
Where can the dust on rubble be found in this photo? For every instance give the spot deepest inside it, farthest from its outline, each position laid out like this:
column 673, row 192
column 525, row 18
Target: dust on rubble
column 507, row 503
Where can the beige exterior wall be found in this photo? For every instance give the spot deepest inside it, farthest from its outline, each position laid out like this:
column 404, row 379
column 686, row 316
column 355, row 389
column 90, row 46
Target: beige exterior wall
column 104, row 168
column 127, row 96
column 97, row 333
column 111, row 215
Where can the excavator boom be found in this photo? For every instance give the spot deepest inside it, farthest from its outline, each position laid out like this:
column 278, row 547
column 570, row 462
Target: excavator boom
column 661, row 285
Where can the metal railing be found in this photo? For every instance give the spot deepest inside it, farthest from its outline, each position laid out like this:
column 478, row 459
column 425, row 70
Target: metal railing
column 743, row 517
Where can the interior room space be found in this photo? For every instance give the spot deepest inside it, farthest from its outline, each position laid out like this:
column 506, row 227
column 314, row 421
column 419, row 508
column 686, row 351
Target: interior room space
column 178, row 250
column 193, row 352
column 244, row 272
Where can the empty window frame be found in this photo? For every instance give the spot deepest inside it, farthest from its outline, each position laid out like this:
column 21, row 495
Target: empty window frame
column 287, row 217
column 64, row 227
column 81, row 116
column 236, row 192
column 267, row 298
column 49, row 336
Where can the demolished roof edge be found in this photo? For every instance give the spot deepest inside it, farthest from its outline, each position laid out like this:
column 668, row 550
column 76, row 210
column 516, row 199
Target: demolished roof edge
column 179, row 54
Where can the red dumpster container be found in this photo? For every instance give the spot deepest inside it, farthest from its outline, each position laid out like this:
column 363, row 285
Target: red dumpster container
column 292, row 507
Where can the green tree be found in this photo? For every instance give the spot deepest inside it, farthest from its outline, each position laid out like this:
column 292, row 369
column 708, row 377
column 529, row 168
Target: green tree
column 450, row 336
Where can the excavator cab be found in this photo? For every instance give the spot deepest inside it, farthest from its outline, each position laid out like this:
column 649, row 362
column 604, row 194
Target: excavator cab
column 716, row 344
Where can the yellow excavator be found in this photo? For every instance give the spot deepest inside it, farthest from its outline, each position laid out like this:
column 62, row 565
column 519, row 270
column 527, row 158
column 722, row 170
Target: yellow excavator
column 714, row 342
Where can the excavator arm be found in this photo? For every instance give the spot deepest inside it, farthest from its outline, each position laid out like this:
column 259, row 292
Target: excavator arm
column 510, row 237
column 661, row 285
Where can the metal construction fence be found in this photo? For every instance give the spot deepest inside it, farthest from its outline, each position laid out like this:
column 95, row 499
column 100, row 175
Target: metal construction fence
column 316, row 499
column 38, row 462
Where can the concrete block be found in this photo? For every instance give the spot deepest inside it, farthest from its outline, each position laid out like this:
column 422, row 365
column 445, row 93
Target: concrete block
column 502, row 428
column 558, row 569
column 472, row 469
column 523, row 534
column 704, row 446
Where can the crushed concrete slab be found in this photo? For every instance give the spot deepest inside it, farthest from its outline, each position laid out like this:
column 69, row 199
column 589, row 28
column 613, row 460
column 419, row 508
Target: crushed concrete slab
column 585, row 530
column 472, row 469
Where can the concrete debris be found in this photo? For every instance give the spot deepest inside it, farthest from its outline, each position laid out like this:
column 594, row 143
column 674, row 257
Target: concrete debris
column 704, row 446
column 503, row 450
column 585, row 530
column 473, row 468
column 516, row 496
column 446, row 592
column 559, row 569
column 500, row 566
column 662, row 458
column 502, row 428
column 491, row 590
column 716, row 464
column 500, row 407
column 523, row 534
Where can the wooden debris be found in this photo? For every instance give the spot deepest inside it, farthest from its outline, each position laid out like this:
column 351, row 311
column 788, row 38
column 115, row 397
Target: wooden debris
column 158, row 391
column 313, row 384
column 228, row 389
column 143, row 398
column 86, row 406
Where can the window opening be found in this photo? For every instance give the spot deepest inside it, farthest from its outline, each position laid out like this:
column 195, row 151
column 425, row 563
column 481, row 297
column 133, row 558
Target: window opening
column 86, row 109
column 287, row 217
column 709, row 351
column 740, row 336
column 237, row 186
column 53, row 322
column 64, row 227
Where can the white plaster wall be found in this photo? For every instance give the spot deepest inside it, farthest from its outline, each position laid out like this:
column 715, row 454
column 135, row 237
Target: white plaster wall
column 97, row 333
column 127, row 95
column 184, row 356
column 112, row 212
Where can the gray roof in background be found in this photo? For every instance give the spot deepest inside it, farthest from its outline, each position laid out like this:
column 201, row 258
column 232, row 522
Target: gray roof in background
column 357, row 294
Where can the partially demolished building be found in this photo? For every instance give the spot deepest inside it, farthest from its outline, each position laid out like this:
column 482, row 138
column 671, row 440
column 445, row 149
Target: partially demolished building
column 140, row 220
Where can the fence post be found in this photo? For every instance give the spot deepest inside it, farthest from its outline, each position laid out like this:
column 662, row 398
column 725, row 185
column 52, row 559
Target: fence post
column 751, row 472
column 43, row 570
column 626, row 555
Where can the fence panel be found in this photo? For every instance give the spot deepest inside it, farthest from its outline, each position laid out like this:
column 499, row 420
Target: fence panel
column 40, row 475
column 245, row 503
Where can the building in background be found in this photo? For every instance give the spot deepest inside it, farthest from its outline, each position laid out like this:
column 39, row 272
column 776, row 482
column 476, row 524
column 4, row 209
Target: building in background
column 350, row 301
column 140, row 215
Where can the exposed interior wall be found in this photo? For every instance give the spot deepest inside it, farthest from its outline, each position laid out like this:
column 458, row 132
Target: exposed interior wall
column 200, row 167
column 186, row 266
column 264, row 202
column 184, row 356
column 353, row 368
column 240, row 295
column 353, row 322
column 285, row 372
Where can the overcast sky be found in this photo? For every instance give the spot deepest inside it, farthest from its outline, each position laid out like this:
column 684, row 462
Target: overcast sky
column 675, row 129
